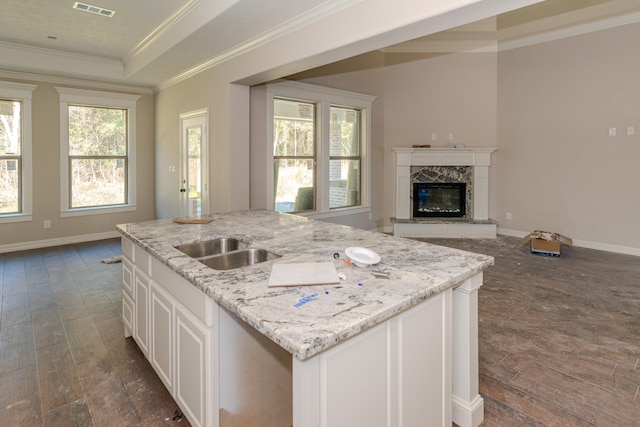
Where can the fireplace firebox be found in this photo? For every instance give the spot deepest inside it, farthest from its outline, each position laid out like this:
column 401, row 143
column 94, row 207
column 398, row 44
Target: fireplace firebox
column 439, row 199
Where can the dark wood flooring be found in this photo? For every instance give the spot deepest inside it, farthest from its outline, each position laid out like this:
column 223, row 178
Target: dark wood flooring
column 559, row 340
column 559, row 337
column 63, row 357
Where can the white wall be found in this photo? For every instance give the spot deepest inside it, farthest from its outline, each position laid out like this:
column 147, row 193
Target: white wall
column 363, row 26
column 559, row 169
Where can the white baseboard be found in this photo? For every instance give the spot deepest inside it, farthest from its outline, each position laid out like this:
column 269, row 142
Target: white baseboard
column 37, row 244
column 467, row 414
column 626, row 250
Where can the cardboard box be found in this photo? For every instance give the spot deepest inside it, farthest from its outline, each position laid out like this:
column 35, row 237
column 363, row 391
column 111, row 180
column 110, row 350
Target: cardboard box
column 546, row 242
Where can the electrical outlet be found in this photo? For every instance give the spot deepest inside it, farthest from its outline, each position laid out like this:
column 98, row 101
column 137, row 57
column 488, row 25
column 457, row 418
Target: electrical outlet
column 46, row 223
column 612, row 131
column 509, row 216
column 434, row 136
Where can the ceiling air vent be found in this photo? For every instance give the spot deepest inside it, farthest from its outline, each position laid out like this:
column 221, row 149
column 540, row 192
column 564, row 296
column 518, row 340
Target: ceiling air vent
column 94, row 9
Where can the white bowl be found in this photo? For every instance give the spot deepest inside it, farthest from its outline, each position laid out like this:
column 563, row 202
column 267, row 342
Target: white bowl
column 362, row 257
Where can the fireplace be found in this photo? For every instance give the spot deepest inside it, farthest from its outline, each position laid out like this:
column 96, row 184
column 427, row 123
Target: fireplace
column 439, row 200
column 468, row 166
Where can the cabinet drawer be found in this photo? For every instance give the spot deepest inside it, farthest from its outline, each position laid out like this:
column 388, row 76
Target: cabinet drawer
column 142, row 259
column 187, row 293
column 127, row 248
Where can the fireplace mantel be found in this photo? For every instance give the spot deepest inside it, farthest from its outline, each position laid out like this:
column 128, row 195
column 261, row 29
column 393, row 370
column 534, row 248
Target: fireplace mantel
column 479, row 225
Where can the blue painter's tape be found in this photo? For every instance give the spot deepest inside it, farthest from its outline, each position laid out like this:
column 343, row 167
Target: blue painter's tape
column 303, row 301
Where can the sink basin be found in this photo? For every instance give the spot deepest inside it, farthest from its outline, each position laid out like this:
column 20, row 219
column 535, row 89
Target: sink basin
column 236, row 259
column 211, row 247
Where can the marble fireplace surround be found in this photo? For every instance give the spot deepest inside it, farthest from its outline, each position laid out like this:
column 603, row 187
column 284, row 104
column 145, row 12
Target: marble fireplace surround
column 412, row 165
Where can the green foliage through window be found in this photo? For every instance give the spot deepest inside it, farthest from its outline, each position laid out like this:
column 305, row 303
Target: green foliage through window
column 10, row 156
column 97, row 156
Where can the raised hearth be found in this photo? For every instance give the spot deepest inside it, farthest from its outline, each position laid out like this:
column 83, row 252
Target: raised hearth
column 464, row 165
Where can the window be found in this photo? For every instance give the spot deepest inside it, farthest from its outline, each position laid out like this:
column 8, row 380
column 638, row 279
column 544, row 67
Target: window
column 320, row 143
column 15, row 152
column 344, row 160
column 294, row 155
column 97, row 146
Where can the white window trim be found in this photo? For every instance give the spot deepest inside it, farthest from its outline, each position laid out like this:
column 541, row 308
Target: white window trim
column 324, row 98
column 22, row 92
column 96, row 99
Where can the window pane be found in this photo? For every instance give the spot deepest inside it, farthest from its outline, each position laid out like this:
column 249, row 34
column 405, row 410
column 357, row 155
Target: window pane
column 95, row 131
column 98, row 182
column 344, row 183
column 194, row 140
column 293, row 128
column 10, row 152
column 10, row 132
column 344, row 163
column 9, row 186
column 294, row 185
column 345, row 132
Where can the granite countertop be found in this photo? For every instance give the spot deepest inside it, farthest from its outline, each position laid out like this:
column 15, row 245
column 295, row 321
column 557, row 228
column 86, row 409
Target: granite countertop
column 305, row 320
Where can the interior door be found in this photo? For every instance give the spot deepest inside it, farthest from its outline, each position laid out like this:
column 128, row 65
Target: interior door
column 194, row 186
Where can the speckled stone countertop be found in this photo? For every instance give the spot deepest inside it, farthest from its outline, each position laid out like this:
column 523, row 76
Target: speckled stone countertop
column 293, row 317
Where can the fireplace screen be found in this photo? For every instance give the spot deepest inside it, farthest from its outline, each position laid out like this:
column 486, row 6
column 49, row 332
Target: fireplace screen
column 439, row 199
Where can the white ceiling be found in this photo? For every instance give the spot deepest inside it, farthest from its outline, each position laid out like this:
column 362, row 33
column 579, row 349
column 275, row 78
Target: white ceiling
column 149, row 42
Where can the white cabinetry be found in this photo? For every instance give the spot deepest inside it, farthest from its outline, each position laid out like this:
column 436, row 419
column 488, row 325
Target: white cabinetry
column 395, row 374
column 172, row 323
column 162, row 315
column 127, row 296
column 141, row 289
column 193, row 367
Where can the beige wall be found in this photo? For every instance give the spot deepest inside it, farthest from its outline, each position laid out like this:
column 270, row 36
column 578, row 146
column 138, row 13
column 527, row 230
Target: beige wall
column 416, row 97
column 558, row 168
column 46, row 174
column 224, row 88
column 547, row 108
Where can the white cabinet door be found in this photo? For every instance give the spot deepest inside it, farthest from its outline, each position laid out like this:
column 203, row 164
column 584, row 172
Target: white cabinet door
column 395, row 374
column 193, row 390
column 161, row 329
column 141, row 322
column 127, row 276
column 127, row 314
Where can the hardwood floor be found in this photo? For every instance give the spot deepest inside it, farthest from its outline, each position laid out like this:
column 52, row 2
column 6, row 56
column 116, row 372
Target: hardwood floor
column 63, row 358
column 559, row 340
column 559, row 337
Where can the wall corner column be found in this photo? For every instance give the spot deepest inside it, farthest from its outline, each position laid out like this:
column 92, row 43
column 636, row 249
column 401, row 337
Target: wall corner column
column 467, row 404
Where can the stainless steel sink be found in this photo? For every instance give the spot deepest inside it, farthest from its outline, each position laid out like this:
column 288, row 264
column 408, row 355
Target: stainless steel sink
column 237, row 259
column 211, row 247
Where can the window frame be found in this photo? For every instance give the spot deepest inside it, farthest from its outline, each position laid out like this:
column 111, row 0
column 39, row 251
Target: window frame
column 324, row 98
column 22, row 92
column 100, row 99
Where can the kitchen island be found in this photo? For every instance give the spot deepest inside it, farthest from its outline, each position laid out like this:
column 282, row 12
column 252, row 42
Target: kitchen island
column 393, row 344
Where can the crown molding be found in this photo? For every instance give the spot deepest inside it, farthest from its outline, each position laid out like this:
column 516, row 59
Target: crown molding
column 444, row 46
column 171, row 31
column 30, row 57
column 288, row 27
column 576, row 30
column 163, row 28
column 42, row 78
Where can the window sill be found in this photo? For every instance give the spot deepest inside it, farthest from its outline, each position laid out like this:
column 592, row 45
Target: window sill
column 336, row 212
column 9, row 218
column 97, row 211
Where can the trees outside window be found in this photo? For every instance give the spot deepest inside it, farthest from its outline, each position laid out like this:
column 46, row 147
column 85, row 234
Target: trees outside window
column 97, row 156
column 15, row 152
column 10, row 156
column 294, row 155
column 97, row 151
column 320, row 142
